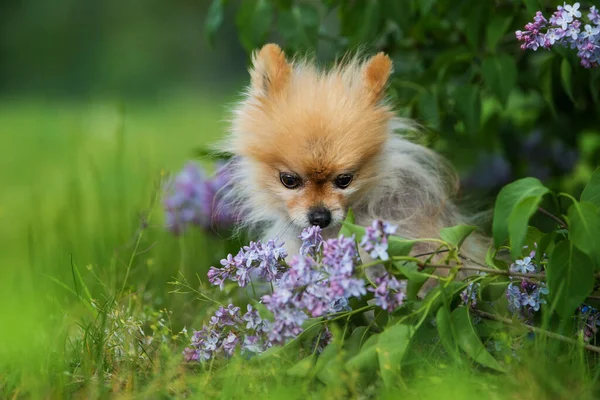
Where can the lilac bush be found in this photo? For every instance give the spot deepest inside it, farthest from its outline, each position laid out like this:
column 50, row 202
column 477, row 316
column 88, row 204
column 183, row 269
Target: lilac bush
column 193, row 199
column 565, row 29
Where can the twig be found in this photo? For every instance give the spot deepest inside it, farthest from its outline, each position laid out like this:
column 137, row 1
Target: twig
column 553, row 335
column 485, row 269
column 472, row 261
column 554, row 217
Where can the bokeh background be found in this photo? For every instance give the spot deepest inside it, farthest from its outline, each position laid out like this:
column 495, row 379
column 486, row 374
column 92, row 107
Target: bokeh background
column 101, row 101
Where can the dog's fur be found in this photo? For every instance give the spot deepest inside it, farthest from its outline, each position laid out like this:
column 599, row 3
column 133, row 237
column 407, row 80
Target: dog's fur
column 319, row 124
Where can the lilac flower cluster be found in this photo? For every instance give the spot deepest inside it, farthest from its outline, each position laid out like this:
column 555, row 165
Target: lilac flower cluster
column 316, row 282
column 589, row 322
column 313, row 287
column 193, row 199
column 525, row 297
column 227, row 331
column 267, row 259
column 389, row 292
column 565, row 29
column 375, row 240
column 469, row 295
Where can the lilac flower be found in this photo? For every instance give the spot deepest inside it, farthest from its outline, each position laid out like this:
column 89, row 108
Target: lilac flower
column 514, row 296
column 317, row 282
column 389, row 292
column 267, row 259
column 588, row 321
column 311, row 241
column 589, row 32
column 224, row 333
column 572, row 10
column 469, row 295
column 340, row 254
column 229, row 343
column 564, row 29
column 252, row 318
column 193, row 199
column 524, row 265
column 526, row 299
column 375, row 240
column 594, row 16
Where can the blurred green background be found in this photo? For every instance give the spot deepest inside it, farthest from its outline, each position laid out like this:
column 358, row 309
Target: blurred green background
column 100, row 101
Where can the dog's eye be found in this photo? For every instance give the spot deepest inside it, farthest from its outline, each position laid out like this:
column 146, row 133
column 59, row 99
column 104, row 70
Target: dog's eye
column 343, row 181
column 290, row 181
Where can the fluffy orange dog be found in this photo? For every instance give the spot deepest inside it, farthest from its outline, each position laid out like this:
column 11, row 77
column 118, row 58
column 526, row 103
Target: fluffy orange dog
column 310, row 144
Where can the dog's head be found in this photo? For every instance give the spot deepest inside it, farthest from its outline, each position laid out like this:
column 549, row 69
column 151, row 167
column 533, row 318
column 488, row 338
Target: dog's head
column 310, row 138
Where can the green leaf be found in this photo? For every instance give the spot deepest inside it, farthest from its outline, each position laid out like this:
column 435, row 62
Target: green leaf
column 545, row 246
column 366, row 359
column 584, row 228
column 591, row 193
column 299, row 26
column 391, row 347
column 566, row 77
column 410, row 270
column 500, row 75
column 425, row 6
column 496, row 29
column 533, row 6
column 475, row 18
column 469, row 342
column 508, row 198
column 456, row 235
column 570, row 278
column 428, row 108
column 468, row 105
column 345, row 230
column 352, row 344
column 519, row 221
column 493, row 291
column 303, row 367
column 214, row 19
column 253, row 21
column 361, row 21
column 445, row 331
column 546, row 79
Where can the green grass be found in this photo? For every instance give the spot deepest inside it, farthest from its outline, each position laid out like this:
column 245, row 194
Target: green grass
column 80, row 224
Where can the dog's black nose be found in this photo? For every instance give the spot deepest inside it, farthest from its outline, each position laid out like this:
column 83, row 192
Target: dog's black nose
column 319, row 216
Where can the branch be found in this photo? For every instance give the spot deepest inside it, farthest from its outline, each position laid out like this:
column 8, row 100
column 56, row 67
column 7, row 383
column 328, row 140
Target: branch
column 553, row 335
column 554, row 217
column 494, row 271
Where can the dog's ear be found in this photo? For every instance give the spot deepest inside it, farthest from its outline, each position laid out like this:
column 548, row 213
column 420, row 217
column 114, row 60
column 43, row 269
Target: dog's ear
column 376, row 73
column 270, row 70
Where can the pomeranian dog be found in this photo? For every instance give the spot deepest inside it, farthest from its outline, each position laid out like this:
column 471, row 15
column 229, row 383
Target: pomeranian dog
column 309, row 144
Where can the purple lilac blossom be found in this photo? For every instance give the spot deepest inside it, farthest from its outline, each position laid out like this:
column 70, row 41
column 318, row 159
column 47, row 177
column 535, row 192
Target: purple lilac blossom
column 525, row 297
column 313, row 288
column 226, row 331
column 192, row 199
column 389, row 292
column 375, row 239
column 469, row 295
column 589, row 322
column 267, row 259
column 317, row 282
column 564, row 28
column 312, row 240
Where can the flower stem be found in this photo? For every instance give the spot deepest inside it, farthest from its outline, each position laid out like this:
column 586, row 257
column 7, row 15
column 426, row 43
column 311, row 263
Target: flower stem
column 560, row 222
